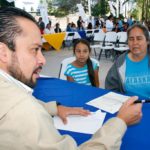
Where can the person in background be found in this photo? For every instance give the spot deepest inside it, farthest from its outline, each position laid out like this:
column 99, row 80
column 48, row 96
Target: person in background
column 41, row 25
column 73, row 27
column 109, row 23
column 116, row 27
column 130, row 74
column 120, row 25
column 68, row 28
column 50, row 21
column 81, row 27
column 130, row 21
column 91, row 20
column 79, row 22
column 24, row 122
column 89, row 27
column 83, row 70
column 97, row 24
column 125, row 26
column 57, row 28
column 48, row 29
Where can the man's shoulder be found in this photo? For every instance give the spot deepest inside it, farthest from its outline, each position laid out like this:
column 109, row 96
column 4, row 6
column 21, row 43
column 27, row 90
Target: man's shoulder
column 11, row 96
column 9, row 88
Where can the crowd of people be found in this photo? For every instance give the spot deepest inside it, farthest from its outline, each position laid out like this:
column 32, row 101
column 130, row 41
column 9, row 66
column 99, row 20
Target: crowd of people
column 48, row 29
column 107, row 24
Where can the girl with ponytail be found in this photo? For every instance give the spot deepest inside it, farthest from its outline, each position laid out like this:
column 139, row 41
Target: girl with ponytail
column 83, row 70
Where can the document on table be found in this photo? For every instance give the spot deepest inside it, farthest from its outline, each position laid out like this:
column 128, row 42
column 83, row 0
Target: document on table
column 89, row 124
column 110, row 102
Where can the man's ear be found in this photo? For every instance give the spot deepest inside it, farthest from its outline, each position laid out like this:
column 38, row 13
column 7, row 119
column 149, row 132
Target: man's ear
column 3, row 52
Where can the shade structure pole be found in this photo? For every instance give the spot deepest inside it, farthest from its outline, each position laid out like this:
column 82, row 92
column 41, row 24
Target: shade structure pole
column 89, row 7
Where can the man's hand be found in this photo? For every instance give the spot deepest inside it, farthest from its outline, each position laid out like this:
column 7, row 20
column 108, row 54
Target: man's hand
column 63, row 112
column 129, row 112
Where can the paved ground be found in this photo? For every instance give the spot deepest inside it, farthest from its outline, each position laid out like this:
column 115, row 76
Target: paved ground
column 54, row 59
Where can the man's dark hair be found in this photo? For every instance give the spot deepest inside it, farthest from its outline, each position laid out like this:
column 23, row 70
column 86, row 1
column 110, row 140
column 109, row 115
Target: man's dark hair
column 9, row 27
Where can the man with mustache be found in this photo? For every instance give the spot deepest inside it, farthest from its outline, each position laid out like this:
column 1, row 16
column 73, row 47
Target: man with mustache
column 24, row 122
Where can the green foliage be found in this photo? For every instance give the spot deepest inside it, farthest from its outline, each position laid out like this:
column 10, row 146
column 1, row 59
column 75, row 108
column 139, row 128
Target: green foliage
column 59, row 13
column 121, row 16
column 135, row 13
column 101, row 8
column 4, row 3
column 142, row 10
column 50, row 8
column 63, row 8
column 96, row 10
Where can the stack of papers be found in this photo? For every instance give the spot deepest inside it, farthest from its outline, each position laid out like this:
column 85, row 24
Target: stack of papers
column 89, row 124
column 110, row 102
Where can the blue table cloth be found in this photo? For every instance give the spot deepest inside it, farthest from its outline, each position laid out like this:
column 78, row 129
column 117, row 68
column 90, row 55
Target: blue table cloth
column 76, row 95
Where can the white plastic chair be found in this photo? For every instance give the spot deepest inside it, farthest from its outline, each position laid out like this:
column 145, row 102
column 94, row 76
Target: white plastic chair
column 122, row 36
column 69, row 39
column 67, row 61
column 108, row 43
column 122, row 45
column 98, row 38
column 89, row 33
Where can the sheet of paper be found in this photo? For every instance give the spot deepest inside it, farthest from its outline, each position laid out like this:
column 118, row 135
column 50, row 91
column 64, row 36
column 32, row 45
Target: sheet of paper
column 110, row 102
column 76, row 123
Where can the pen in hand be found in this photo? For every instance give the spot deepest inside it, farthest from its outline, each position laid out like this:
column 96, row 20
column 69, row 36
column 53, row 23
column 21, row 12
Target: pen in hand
column 142, row 101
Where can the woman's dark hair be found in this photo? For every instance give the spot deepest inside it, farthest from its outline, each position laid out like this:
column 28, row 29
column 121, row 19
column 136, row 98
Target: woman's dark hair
column 145, row 32
column 142, row 27
column 110, row 17
column 89, row 62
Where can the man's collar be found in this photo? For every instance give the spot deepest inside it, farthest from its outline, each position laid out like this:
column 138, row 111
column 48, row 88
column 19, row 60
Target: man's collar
column 17, row 82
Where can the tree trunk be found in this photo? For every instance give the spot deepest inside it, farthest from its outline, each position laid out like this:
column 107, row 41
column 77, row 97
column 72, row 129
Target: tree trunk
column 143, row 10
column 147, row 13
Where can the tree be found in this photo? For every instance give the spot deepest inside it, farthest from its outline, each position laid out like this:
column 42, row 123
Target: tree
column 4, row 3
column 64, row 7
column 142, row 11
column 145, row 15
column 61, row 8
column 101, row 8
column 50, row 8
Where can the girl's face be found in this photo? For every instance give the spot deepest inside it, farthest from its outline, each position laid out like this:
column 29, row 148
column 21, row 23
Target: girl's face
column 82, row 52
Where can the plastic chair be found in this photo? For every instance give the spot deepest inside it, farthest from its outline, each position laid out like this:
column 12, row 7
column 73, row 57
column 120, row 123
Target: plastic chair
column 96, row 30
column 89, row 35
column 69, row 39
column 108, row 43
column 67, row 61
column 121, row 44
column 98, row 39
